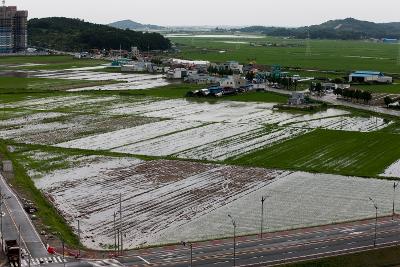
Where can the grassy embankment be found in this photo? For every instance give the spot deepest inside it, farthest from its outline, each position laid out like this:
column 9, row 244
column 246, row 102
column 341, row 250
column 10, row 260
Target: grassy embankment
column 46, row 212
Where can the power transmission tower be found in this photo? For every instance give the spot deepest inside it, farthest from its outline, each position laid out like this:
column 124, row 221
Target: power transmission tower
column 398, row 54
column 308, row 45
column 4, row 2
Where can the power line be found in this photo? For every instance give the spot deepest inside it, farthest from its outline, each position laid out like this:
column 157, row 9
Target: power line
column 308, row 45
column 398, row 55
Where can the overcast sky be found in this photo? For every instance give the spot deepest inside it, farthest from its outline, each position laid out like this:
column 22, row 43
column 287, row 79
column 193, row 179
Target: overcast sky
column 214, row 12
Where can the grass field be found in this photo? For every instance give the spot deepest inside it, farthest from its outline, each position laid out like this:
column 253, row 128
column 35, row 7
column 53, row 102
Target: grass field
column 26, row 85
column 381, row 88
column 326, row 151
column 48, row 62
column 324, row 54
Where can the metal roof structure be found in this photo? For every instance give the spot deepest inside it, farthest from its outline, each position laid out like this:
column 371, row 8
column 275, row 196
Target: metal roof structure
column 366, row 73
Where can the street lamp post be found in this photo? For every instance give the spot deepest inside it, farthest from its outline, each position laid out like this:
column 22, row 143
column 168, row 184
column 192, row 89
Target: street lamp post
column 376, row 218
column 394, row 196
column 115, row 237
column 63, row 247
column 79, row 237
column 191, row 251
column 234, row 239
column 1, row 218
column 263, row 198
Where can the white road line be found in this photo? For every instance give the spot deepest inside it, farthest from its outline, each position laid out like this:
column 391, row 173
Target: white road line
column 143, row 260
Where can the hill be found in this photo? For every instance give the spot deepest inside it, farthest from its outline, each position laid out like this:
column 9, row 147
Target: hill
column 133, row 25
column 67, row 34
column 334, row 29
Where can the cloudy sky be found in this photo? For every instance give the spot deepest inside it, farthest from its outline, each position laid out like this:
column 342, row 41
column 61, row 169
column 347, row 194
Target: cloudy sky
column 215, row 12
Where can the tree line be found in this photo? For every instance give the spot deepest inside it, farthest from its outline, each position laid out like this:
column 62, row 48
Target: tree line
column 354, row 94
column 76, row 35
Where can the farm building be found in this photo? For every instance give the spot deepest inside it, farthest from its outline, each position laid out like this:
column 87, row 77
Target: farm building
column 369, row 76
column 233, row 66
column 177, row 73
column 140, row 66
column 390, row 41
column 233, row 82
column 333, row 86
column 201, row 78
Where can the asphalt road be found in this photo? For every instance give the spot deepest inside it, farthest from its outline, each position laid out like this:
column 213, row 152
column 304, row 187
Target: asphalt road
column 13, row 216
column 274, row 250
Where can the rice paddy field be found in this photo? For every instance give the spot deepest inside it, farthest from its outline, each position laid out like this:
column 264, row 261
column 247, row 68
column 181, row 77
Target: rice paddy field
column 332, row 55
column 165, row 201
column 181, row 165
column 46, row 62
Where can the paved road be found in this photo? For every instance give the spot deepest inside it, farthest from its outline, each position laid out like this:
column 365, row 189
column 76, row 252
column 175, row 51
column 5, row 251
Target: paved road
column 13, row 216
column 331, row 99
column 273, row 250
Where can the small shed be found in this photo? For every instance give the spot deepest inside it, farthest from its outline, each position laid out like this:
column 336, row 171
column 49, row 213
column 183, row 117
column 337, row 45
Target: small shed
column 7, row 166
column 297, row 98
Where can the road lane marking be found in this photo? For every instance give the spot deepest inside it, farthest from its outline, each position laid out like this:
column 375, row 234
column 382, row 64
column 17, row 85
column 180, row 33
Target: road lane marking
column 143, row 259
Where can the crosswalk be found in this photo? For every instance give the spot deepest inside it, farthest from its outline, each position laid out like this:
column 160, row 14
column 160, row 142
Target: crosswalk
column 54, row 260
column 108, row 262
column 39, row 261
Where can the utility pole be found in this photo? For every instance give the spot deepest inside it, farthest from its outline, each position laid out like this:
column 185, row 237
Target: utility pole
column 1, row 218
column 234, row 239
column 308, row 48
column 191, row 251
column 79, row 237
column 376, row 218
column 19, row 246
column 115, row 237
column 120, row 218
column 398, row 56
column 63, row 251
column 394, row 196
column 118, row 240
column 263, row 198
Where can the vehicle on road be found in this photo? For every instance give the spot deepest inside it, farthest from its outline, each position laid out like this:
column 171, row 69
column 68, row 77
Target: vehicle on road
column 12, row 251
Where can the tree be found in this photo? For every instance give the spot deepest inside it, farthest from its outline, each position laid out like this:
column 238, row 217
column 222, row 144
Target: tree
column 338, row 81
column 318, row 87
column 388, row 100
column 250, row 76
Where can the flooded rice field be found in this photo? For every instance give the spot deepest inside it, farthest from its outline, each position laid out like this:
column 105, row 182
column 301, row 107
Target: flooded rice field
column 167, row 201
column 177, row 127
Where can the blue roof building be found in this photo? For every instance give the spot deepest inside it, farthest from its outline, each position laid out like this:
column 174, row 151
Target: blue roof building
column 369, row 76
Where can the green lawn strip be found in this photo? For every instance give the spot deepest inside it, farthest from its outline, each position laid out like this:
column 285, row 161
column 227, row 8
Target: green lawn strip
column 327, row 151
column 384, row 257
column 180, row 90
column 50, row 62
column 27, row 85
column 380, row 88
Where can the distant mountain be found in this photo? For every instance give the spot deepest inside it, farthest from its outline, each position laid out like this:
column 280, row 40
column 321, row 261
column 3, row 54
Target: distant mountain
column 334, row 29
column 67, row 34
column 133, row 25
